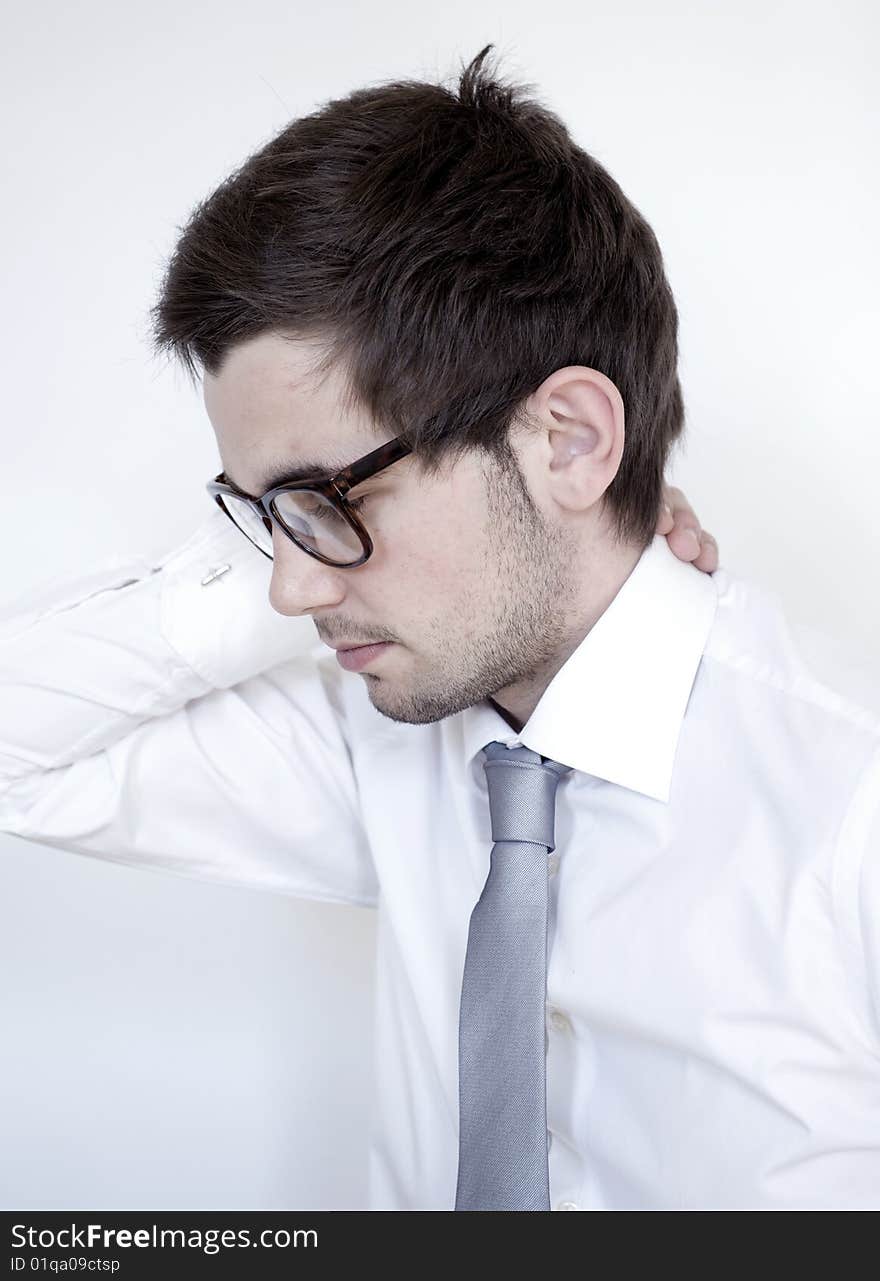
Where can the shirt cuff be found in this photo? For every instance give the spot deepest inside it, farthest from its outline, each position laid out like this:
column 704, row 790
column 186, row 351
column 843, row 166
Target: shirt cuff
column 215, row 611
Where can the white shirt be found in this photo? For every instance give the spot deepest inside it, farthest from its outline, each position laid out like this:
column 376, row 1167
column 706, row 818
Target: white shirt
column 713, row 985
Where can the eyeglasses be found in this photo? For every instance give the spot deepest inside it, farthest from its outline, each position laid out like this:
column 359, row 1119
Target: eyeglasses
column 313, row 513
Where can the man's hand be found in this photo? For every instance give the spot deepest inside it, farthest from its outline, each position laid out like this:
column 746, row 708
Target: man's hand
column 682, row 529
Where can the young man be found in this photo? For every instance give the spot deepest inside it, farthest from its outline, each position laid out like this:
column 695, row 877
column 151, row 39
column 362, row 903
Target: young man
column 611, row 822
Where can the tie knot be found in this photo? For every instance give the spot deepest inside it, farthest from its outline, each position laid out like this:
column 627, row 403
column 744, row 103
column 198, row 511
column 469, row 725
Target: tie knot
column 522, row 794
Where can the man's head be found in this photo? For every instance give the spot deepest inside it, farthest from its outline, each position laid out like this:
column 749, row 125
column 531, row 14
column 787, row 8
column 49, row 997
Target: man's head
column 484, row 576
column 452, row 269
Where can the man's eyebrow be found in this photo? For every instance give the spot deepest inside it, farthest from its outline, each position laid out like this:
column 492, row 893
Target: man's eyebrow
column 283, row 473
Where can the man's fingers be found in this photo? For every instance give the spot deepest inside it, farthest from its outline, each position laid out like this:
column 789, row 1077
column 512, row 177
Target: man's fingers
column 677, row 519
column 675, row 510
column 685, row 541
column 708, row 557
column 678, row 523
column 675, row 498
column 691, row 543
column 666, row 521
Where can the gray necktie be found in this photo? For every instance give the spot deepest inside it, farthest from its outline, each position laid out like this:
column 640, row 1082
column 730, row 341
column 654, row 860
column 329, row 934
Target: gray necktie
column 502, row 1147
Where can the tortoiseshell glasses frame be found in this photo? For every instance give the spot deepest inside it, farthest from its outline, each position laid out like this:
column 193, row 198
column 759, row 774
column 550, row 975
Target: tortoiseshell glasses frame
column 334, row 488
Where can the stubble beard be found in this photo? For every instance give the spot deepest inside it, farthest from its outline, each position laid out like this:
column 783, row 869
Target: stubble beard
column 512, row 635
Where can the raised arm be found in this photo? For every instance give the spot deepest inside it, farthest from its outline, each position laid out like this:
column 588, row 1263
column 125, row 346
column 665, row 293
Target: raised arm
column 163, row 715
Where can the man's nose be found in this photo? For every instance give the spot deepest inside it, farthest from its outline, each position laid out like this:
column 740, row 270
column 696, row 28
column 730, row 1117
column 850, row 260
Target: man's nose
column 301, row 583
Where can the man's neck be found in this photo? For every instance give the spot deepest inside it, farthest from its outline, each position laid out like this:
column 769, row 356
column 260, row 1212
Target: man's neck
column 515, row 703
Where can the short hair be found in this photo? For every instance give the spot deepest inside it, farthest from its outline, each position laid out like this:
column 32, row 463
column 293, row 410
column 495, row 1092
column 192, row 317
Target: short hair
column 449, row 249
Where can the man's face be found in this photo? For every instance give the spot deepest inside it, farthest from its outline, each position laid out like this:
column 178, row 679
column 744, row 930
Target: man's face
column 466, row 578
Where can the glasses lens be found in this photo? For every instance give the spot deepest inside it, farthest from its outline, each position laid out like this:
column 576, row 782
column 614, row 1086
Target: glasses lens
column 257, row 528
column 310, row 517
column 316, row 523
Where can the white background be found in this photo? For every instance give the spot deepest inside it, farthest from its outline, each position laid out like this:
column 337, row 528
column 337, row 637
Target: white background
column 168, row 1044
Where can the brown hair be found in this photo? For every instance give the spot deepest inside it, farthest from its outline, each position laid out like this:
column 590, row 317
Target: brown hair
column 449, row 251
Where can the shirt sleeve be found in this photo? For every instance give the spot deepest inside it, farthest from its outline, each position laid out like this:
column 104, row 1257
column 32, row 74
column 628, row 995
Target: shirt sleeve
column 857, row 893
column 161, row 714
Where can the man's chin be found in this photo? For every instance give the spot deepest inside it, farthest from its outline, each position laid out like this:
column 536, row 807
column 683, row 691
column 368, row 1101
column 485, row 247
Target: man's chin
column 395, row 709
column 410, row 710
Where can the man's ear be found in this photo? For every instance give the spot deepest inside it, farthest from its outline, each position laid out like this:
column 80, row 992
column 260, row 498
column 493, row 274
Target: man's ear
column 581, row 414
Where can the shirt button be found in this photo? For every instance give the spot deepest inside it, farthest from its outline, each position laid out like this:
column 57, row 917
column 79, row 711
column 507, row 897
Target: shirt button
column 568, row 1205
column 560, row 1022
column 552, row 864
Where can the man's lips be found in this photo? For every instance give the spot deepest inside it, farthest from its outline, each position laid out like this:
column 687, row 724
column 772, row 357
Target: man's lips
column 357, row 657
column 344, row 645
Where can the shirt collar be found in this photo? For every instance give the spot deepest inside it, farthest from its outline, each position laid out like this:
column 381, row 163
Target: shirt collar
column 615, row 708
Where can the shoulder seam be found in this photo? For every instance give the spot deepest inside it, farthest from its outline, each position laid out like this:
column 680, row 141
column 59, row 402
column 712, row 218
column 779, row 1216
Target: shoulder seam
column 828, row 699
